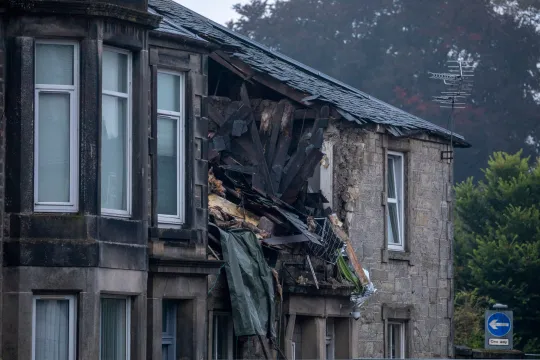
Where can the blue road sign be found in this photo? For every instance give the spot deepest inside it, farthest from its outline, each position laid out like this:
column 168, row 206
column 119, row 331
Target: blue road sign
column 499, row 324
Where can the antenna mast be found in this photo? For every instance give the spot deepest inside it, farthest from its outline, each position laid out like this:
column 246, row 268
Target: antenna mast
column 459, row 82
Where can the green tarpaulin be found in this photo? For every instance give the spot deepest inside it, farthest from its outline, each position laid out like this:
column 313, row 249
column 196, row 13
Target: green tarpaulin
column 250, row 283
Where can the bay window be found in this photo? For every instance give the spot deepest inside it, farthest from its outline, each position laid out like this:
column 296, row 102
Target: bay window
column 116, row 133
column 56, row 134
column 53, row 328
column 115, row 328
column 395, row 218
column 170, row 148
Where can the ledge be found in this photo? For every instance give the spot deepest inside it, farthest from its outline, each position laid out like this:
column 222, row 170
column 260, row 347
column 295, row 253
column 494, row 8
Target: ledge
column 388, row 255
column 86, row 8
column 192, row 267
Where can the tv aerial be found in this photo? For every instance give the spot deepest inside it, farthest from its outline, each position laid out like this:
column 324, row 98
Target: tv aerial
column 459, row 82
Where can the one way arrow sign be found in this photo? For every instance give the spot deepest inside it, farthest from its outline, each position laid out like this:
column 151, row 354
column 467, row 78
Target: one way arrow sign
column 495, row 325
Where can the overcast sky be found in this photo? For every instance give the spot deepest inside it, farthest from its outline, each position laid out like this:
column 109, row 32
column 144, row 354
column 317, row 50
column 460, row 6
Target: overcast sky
column 218, row 10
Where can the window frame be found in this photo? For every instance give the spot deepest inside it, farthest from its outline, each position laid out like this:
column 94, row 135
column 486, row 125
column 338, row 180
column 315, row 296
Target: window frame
column 169, row 338
column 399, row 201
column 230, row 334
column 402, row 335
column 72, row 330
column 73, row 91
column 128, row 322
column 129, row 128
column 180, row 118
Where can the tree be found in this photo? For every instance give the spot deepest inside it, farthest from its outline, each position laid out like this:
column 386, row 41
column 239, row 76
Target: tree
column 498, row 240
column 386, row 48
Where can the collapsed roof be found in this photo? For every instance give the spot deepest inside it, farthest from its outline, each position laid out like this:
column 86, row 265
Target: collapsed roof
column 352, row 104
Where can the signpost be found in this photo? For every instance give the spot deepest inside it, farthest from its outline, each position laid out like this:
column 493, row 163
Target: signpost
column 499, row 328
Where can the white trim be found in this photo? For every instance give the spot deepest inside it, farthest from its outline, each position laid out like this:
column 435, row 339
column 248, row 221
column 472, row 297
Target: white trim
column 129, row 126
column 73, row 91
column 179, row 218
column 399, row 172
column 128, row 322
column 72, row 327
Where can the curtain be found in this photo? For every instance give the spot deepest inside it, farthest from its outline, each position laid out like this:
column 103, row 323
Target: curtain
column 113, row 329
column 53, row 147
column 114, row 147
column 168, row 92
column 54, row 64
column 167, row 165
column 52, row 330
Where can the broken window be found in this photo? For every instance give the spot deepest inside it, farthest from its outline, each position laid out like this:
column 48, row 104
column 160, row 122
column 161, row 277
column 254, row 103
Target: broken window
column 222, row 337
column 396, row 340
column 395, row 216
column 170, row 148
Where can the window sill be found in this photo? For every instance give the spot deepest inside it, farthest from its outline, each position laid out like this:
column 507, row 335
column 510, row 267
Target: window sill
column 395, row 255
column 171, row 232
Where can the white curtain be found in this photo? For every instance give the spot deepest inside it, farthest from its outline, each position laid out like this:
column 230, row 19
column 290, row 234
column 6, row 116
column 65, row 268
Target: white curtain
column 52, row 330
column 54, row 64
column 113, row 329
column 114, row 147
column 167, row 145
column 53, row 147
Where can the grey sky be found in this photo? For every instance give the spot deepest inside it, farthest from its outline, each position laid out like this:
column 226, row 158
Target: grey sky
column 218, row 10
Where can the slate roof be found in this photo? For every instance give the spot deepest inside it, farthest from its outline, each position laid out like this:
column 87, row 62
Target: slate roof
column 353, row 104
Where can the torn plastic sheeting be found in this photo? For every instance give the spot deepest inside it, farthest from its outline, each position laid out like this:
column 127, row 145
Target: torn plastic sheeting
column 250, row 283
column 359, row 299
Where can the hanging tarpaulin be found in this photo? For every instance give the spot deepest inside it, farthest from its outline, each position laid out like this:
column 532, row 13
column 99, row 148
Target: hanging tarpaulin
column 250, row 283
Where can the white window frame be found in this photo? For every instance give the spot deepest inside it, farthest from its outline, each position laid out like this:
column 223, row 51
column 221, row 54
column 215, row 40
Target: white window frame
column 73, row 91
column 230, row 335
column 399, row 200
column 72, row 331
column 179, row 117
column 129, row 126
column 128, row 322
column 390, row 339
column 169, row 338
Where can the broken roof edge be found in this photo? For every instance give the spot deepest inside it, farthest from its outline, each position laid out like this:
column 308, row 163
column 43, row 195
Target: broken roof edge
column 438, row 131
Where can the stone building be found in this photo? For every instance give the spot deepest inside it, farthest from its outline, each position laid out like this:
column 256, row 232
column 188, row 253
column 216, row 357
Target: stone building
column 104, row 158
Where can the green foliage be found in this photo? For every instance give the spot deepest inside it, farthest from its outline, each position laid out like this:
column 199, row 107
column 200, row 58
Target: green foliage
column 469, row 319
column 497, row 233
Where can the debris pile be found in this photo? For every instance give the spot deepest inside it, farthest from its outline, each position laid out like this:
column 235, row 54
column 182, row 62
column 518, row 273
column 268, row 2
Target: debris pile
column 261, row 159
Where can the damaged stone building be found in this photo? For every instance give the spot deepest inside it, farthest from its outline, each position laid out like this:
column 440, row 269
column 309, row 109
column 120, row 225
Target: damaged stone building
column 174, row 190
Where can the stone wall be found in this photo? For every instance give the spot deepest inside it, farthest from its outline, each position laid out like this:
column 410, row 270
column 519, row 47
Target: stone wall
column 416, row 283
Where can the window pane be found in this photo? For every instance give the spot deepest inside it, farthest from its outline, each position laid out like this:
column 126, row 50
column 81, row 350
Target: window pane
column 221, row 337
column 53, row 147
column 113, row 329
column 395, row 341
column 168, row 92
column 393, row 230
column 52, row 330
column 115, row 71
column 167, row 166
column 54, row 64
column 391, row 178
column 114, row 147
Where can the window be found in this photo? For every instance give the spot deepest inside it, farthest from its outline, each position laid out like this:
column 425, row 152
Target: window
column 222, row 339
column 168, row 338
column 53, row 328
column 395, row 221
column 330, row 339
column 116, row 133
column 296, row 350
column 115, row 328
column 56, row 133
column 170, row 148
column 396, row 340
